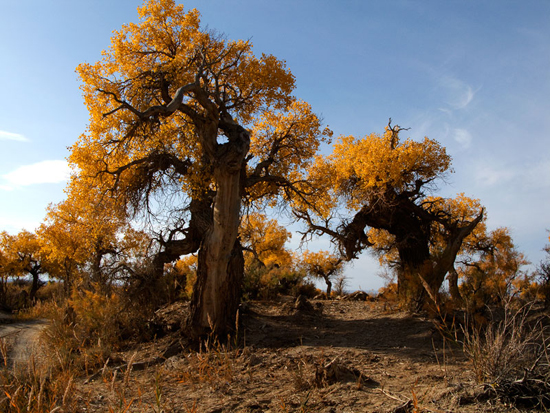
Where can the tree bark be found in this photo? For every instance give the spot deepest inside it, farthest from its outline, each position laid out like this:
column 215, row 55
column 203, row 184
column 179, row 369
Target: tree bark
column 452, row 277
column 35, row 285
column 220, row 263
column 415, row 260
column 329, row 287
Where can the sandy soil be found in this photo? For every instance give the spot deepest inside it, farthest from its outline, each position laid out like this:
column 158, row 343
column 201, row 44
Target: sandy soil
column 339, row 356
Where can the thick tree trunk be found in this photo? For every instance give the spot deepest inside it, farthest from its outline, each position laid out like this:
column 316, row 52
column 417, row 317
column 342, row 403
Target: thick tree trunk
column 220, row 262
column 415, row 260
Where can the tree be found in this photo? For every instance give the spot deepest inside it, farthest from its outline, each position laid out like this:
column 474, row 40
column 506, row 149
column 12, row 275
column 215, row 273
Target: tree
column 264, row 242
column 23, row 254
column 184, row 127
column 381, row 182
column 268, row 264
column 323, row 265
column 543, row 273
column 489, row 267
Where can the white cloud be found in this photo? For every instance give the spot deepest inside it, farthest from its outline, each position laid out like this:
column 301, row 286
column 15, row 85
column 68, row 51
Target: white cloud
column 463, row 137
column 10, row 136
column 39, row 173
column 459, row 94
column 489, row 175
column 524, row 177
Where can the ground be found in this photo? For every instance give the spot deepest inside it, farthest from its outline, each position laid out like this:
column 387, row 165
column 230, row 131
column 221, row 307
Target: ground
column 332, row 356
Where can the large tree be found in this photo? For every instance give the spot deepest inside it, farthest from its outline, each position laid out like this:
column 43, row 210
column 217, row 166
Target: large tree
column 382, row 182
column 184, row 126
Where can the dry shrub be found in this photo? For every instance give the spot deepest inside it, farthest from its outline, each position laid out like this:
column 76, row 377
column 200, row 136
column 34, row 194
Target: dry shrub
column 268, row 283
column 85, row 330
column 213, row 364
column 511, row 357
column 36, row 390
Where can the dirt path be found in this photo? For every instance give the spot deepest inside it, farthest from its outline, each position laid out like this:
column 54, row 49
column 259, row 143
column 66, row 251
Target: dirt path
column 20, row 339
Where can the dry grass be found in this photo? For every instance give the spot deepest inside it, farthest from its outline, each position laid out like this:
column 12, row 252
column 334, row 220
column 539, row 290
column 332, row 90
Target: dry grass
column 511, row 357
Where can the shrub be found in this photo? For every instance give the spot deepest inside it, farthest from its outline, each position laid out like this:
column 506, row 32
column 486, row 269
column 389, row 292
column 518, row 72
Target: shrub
column 511, row 357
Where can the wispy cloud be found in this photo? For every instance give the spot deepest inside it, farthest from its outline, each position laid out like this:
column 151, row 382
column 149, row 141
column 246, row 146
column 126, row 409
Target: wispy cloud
column 39, row 173
column 487, row 175
column 518, row 177
column 458, row 94
column 463, row 137
column 14, row 224
column 10, row 136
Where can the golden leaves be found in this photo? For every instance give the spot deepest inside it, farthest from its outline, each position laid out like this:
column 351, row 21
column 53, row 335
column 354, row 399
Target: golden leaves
column 374, row 164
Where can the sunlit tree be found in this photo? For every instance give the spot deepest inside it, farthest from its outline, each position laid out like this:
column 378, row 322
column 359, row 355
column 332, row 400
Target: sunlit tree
column 185, row 126
column 322, row 265
column 23, row 255
column 383, row 182
column 489, row 268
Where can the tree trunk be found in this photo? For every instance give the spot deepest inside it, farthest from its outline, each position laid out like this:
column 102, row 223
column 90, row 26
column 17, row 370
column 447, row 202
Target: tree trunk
column 329, row 287
column 415, row 260
column 220, row 262
column 34, row 286
column 452, row 277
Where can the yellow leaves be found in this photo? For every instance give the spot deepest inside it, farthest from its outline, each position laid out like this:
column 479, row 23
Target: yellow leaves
column 321, row 264
column 264, row 240
column 375, row 164
column 145, row 65
column 18, row 251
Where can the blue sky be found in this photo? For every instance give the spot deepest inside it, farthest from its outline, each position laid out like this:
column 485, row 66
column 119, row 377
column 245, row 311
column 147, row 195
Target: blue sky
column 472, row 74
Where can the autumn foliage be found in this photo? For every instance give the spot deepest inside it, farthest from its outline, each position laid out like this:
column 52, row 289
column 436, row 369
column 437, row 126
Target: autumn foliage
column 194, row 141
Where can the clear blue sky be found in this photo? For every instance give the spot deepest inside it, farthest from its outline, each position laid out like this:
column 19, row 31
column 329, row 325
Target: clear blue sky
column 473, row 74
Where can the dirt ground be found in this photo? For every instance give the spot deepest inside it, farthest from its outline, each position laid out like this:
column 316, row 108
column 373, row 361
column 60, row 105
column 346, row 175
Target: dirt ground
column 19, row 339
column 340, row 356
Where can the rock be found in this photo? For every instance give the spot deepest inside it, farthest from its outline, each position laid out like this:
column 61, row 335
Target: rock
column 357, row 296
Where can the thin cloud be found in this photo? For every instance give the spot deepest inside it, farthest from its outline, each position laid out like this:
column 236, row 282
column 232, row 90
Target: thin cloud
column 463, row 137
column 522, row 177
column 10, row 136
column 44, row 172
column 459, row 94
column 489, row 175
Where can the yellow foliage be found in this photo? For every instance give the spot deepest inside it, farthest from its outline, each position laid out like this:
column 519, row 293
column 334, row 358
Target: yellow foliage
column 362, row 169
column 264, row 241
column 169, row 47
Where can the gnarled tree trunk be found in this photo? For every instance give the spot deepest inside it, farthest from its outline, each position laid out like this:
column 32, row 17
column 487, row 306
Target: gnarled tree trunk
column 220, row 260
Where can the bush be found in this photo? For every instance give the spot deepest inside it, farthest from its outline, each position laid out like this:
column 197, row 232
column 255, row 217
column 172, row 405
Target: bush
column 267, row 283
column 511, row 357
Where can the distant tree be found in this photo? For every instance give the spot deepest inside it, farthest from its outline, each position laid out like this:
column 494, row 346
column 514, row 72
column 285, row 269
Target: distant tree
column 264, row 242
column 323, row 265
column 382, row 182
column 269, row 267
column 23, row 255
column 543, row 273
column 490, row 268
column 185, row 127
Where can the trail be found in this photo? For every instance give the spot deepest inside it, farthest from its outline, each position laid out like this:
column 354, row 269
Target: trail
column 20, row 339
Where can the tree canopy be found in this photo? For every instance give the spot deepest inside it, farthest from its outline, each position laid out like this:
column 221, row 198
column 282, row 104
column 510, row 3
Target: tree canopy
column 381, row 182
column 185, row 126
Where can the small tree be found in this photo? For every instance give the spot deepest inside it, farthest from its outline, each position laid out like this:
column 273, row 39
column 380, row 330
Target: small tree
column 323, row 265
column 24, row 255
column 489, row 268
column 543, row 273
